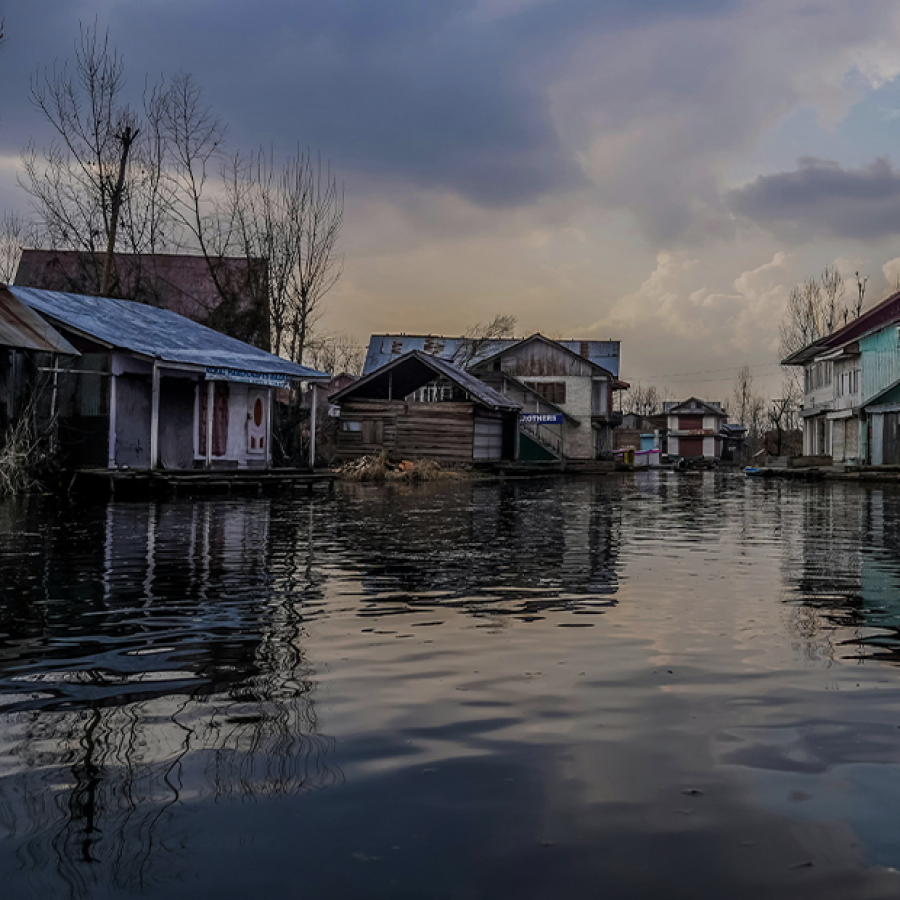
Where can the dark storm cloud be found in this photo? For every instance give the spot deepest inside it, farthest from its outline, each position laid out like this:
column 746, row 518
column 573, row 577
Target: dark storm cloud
column 821, row 197
column 435, row 93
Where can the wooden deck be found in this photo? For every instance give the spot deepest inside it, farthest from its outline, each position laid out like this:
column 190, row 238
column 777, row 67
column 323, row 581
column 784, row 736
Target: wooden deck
column 133, row 483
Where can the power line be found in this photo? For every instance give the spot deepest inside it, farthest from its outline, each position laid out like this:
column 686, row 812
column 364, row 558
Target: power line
column 708, row 371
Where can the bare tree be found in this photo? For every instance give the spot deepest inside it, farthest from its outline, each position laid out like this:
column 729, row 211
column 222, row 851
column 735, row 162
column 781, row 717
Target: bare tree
column 335, row 354
column 833, row 293
column 782, row 414
column 861, row 293
column 96, row 175
column 641, row 399
column 816, row 307
column 291, row 216
column 15, row 232
column 140, row 181
column 477, row 339
column 749, row 408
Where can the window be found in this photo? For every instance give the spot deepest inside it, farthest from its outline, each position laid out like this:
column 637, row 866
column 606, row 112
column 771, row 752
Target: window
column 351, row 426
column 552, row 391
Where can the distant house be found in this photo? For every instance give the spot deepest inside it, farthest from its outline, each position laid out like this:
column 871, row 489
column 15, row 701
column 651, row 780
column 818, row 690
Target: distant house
column 467, row 352
column 468, row 421
column 228, row 294
column 565, row 388
column 152, row 388
column 851, row 381
column 695, row 428
column 538, row 371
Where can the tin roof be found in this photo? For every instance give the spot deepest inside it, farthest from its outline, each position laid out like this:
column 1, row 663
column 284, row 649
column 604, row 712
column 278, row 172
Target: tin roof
column 155, row 333
column 22, row 327
column 385, row 347
column 414, row 370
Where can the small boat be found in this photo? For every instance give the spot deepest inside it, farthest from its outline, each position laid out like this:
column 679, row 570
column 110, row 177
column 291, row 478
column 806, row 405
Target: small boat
column 752, row 470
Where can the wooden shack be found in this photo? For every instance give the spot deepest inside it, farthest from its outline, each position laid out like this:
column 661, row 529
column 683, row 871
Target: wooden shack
column 152, row 389
column 470, row 423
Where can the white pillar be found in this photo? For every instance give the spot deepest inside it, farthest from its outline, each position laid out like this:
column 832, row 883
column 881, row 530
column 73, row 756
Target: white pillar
column 270, row 398
column 112, row 421
column 312, row 429
column 154, row 418
column 210, row 399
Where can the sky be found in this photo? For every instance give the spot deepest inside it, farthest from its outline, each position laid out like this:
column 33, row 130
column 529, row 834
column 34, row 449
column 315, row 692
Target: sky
column 659, row 172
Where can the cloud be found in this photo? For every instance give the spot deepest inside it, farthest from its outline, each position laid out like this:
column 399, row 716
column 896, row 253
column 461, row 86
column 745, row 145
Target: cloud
column 891, row 270
column 821, row 197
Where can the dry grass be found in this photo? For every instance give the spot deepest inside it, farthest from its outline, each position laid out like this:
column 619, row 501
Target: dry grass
column 25, row 453
column 381, row 468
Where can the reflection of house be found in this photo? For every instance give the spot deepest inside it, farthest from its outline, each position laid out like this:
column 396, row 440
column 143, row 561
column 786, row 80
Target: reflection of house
column 152, row 388
column 229, row 294
column 694, row 428
column 470, row 420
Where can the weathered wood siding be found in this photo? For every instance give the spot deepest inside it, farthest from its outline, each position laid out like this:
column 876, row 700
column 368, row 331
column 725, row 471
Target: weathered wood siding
column 443, row 431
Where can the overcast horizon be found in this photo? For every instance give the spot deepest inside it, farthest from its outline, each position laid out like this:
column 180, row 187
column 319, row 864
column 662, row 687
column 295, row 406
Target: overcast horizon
column 658, row 173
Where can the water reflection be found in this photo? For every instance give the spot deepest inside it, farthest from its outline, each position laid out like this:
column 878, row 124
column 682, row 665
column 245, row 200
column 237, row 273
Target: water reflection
column 492, row 549
column 843, row 582
column 166, row 668
column 640, row 683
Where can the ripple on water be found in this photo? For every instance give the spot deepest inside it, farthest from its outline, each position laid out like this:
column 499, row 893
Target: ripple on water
column 667, row 686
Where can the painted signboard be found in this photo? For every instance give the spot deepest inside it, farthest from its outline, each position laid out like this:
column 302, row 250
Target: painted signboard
column 542, row 418
column 268, row 379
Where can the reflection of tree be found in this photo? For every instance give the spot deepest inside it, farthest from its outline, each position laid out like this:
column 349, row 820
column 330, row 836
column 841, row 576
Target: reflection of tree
column 181, row 671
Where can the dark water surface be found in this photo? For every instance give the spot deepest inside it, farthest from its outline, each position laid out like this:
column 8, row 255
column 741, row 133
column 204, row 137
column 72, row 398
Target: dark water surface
column 658, row 686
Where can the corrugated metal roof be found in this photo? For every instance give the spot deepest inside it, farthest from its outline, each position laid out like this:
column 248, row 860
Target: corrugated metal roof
column 22, row 327
column 420, row 368
column 156, row 333
column 385, row 347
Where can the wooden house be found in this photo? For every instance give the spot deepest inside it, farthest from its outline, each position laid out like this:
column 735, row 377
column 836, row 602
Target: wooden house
column 695, row 428
column 153, row 389
column 538, row 372
column 379, row 412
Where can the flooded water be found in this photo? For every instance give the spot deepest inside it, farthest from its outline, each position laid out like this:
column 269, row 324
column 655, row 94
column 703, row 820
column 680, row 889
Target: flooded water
column 648, row 686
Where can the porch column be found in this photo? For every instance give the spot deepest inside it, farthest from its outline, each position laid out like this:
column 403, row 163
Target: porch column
column 154, row 417
column 312, row 428
column 112, row 421
column 270, row 399
column 210, row 399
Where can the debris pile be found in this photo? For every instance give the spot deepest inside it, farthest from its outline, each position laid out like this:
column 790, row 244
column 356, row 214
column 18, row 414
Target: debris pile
column 381, row 468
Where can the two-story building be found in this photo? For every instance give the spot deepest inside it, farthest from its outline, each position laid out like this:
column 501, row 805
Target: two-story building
column 694, row 428
column 580, row 389
column 850, row 379
column 565, row 390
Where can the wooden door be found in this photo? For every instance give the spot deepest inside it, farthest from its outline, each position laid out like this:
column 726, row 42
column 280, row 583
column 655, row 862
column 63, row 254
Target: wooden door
column 220, row 419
